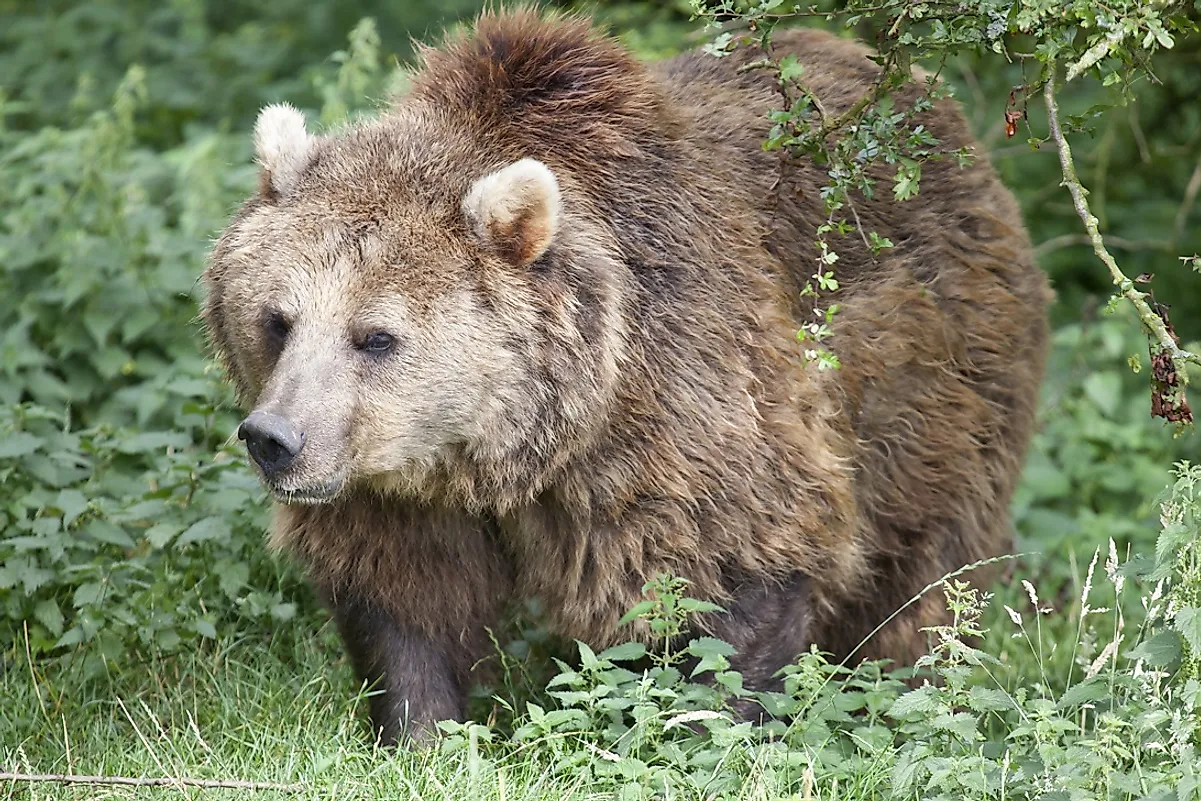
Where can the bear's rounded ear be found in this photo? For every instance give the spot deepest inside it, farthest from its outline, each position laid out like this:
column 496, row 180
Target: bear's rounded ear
column 515, row 210
column 283, row 148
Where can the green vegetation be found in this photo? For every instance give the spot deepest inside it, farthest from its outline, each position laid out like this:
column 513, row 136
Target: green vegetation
column 145, row 631
column 1121, row 721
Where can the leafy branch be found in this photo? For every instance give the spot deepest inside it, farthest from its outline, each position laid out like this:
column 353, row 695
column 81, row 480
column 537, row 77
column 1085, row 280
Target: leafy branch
column 1112, row 41
column 1164, row 340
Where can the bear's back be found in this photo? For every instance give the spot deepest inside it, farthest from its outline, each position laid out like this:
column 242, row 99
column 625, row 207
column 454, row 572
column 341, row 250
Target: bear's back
column 941, row 338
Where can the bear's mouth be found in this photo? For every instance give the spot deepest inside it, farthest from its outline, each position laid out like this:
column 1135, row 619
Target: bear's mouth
column 308, row 496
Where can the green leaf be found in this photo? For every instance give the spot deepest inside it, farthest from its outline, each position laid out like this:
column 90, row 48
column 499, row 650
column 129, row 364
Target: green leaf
column 231, row 576
column 48, row 614
column 1087, row 691
column 29, row 573
column 139, row 321
column 160, row 534
column 1105, row 390
column 571, row 697
column 204, row 628
column 152, row 441
column 73, row 636
column 790, row 68
column 961, row 724
column 144, row 510
column 626, row 652
column 709, row 646
column 564, row 676
column 636, row 611
column 1045, row 479
column 111, row 533
column 45, row 470
column 1188, row 623
column 587, row 656
column 731, row 680
column 565, row 718
column 210, row 528
column 167, row 639
column 1159, row 651
column 710, row 664
column 907, row 770
column 695, row 606
column 72, row 503
column 711, row 653
column 923, row 701
column 984, row 699
column 1171, row 539
column 45, row 527
column 283, row 612
column 1191, row 694
column 190, row 387
column 88, row 593
column 19, row 443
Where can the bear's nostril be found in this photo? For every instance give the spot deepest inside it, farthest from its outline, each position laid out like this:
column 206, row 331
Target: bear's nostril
column 272, row 441
column 266, row 451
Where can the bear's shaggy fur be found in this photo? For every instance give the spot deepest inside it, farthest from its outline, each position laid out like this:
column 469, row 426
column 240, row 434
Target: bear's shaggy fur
column 534, row 328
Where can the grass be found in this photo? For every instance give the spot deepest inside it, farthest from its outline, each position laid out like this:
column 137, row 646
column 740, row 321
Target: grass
column 285, row 711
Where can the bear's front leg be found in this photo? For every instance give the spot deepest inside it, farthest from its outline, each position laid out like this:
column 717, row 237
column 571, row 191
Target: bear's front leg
column 769, row 623
column 415, row 678
column 414, row 590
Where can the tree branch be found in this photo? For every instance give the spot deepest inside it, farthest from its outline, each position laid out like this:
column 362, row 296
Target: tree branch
column 1154, row 324
column 154, row 781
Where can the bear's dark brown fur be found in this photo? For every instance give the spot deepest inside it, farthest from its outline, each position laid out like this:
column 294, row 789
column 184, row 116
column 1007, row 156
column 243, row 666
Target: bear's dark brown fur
column 589, row 374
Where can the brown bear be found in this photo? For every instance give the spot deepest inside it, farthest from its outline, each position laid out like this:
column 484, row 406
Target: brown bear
column 532, row 333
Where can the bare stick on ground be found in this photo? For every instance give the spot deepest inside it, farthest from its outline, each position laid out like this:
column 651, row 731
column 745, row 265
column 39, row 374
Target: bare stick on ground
column 151, row 781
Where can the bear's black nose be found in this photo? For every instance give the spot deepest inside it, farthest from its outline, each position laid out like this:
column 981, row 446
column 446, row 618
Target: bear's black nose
column 273, row 442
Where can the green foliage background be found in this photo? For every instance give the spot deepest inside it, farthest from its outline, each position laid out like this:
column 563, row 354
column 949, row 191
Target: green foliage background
column 129, row 524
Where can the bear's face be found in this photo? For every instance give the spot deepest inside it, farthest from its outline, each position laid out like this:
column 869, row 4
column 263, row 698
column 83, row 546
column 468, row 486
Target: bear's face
column 374, row 327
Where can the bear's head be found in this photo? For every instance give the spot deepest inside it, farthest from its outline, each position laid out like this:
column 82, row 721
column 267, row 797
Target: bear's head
column 398, row 311
column 441, row 300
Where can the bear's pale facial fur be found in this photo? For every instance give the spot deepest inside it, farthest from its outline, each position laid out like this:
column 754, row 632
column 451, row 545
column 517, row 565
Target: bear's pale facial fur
column 308, row 303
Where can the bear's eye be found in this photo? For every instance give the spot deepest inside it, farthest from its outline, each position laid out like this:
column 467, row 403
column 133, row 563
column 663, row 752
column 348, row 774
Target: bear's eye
column 277, row 327
column 379, row 342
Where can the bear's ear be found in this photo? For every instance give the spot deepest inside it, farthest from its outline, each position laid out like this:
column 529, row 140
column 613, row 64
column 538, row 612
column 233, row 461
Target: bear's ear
column 283, row 148
column 515, row 210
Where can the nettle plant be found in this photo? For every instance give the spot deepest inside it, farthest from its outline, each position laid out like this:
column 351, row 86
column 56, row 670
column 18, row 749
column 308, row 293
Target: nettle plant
column 130, row 523
column 121, row 543
column 630, row 723
column 874, row 138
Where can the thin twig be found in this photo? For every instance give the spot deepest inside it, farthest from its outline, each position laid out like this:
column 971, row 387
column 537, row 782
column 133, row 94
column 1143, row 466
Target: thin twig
column 829, row 124
column 1144, row 151
column 853, row 113
column 928, row 7
column 1152, row 321
column 149, row 781
column 1067, row 240
column 1190, row 197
